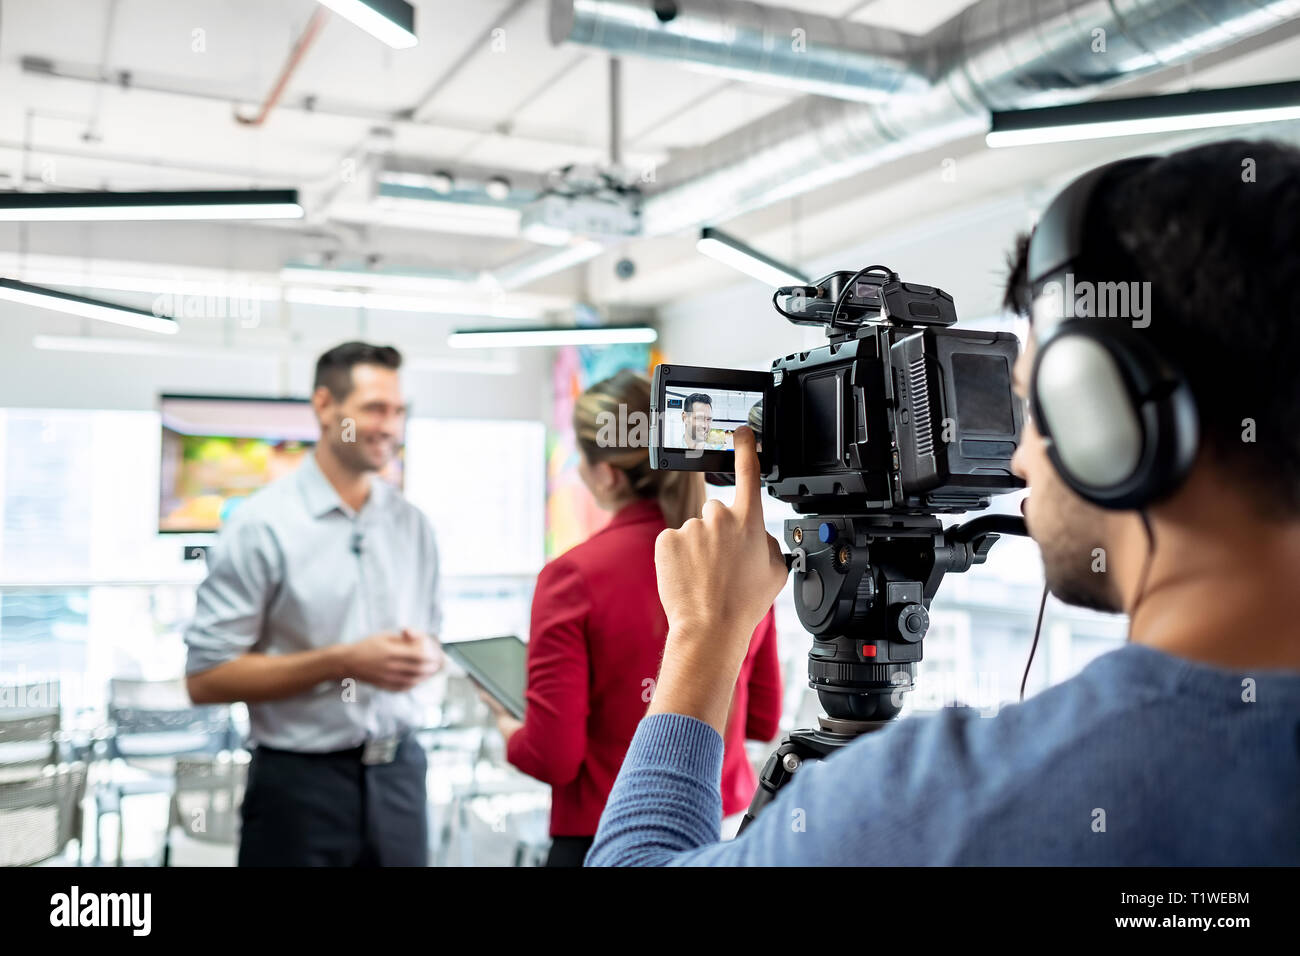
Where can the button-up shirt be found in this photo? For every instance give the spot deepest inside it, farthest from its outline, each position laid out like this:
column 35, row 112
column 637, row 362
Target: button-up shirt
column 296, row 569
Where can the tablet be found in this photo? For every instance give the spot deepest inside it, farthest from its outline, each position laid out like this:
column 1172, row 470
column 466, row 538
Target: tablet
column 499, row 664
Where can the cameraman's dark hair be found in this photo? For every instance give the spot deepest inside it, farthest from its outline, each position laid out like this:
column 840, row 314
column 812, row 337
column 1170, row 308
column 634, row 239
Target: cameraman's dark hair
column 1215, row 230
column 694, row 397
column 334, row 368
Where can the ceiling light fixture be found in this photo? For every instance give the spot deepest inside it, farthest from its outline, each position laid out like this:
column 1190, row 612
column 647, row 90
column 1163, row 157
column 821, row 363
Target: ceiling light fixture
column 392, row 21
column 523, row 271
column 730, row 251
column 111, row 206
column 431, row 282
column 376, row 302
column 1161, row 113
column 42, row 298
column 551, row 337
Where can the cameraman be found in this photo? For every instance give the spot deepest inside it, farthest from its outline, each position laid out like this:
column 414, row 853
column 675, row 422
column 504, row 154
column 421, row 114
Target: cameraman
column 1180, row 748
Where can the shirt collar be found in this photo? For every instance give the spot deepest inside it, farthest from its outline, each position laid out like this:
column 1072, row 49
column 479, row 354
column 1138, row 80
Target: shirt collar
column 320, row 495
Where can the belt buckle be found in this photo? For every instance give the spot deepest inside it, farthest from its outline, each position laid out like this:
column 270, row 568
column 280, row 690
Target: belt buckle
column 379, row 750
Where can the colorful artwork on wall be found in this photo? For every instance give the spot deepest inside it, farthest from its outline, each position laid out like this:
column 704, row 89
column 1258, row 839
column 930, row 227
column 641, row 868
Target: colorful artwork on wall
column 571, row 514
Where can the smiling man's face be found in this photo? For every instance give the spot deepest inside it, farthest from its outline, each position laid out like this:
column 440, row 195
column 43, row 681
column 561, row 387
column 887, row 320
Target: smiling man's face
column 698, row 420
column 376, row 412
column 1066, row 528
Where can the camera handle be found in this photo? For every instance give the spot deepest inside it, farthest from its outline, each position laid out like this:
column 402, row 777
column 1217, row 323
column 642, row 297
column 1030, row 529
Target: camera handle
column 887, row 555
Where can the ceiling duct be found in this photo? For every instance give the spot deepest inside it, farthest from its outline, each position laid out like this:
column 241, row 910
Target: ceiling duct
column 753, row 42
column 995, row 55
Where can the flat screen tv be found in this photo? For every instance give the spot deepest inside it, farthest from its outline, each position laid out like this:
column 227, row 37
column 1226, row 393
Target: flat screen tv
column 216, row 451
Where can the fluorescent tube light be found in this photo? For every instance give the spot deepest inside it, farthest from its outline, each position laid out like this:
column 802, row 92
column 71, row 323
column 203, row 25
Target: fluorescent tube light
column 545, row 263
column 104, row 345
column 547, row 337
column 445, row 305
column 1131, row 116
column 296, row 274
column 151, row 206
column 43, row 298
column 237, row 287
column 729, row 250
column 392, row 21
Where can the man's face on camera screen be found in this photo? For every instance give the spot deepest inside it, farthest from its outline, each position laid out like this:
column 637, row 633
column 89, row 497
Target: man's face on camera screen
column 698, row 419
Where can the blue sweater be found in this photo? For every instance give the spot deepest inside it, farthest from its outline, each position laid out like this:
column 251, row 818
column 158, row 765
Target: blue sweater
column 1143, row 758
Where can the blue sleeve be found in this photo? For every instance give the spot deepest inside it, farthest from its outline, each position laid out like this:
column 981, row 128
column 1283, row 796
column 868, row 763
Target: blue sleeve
column 898, row 796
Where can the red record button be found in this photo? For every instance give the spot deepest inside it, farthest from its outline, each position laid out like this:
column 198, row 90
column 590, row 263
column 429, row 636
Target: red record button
column 868, row 650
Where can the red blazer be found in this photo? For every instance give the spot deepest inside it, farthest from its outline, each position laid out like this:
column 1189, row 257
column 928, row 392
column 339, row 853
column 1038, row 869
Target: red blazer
column 596, row 641
column 755, row 715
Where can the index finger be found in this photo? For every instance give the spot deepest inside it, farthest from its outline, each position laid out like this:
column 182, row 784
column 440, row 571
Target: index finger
column 748, row 501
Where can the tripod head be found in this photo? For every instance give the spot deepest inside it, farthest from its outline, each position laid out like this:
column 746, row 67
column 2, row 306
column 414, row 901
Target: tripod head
column 862, row 588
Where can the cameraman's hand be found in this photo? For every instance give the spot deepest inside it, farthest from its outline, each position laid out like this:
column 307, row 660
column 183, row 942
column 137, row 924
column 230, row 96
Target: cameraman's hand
column 394, row 662
column 717, row 575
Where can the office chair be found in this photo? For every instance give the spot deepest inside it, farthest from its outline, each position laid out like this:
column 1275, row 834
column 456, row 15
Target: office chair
column 151, row 724
column 40, row 814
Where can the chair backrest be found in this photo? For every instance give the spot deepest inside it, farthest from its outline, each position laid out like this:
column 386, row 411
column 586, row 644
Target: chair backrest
column 39, row 697
column 40, row 813
column 156, row 719
column 208, row 794
column 28, row 738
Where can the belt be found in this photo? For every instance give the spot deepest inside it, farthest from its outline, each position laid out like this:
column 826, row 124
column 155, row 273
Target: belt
column 377, row 750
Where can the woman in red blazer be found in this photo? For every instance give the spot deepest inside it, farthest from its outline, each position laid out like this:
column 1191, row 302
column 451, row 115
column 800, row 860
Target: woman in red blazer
column 598, row 634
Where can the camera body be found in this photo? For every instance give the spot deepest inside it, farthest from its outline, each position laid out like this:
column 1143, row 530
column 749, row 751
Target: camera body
column 898, row 414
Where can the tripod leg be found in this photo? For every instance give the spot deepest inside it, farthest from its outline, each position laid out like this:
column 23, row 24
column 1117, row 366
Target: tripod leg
column 778, row 770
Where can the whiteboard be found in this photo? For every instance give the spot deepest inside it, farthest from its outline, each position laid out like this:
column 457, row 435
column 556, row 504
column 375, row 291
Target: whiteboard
column 483, row 485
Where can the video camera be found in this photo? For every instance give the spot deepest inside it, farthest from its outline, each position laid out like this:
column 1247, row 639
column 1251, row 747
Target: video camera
column 897, row 418
column 898, row 414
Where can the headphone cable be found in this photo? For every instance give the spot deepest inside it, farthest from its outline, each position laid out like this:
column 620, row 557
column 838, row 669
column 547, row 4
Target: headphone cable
column 1146, row 571
column 1141, row 591
column 1042, row 604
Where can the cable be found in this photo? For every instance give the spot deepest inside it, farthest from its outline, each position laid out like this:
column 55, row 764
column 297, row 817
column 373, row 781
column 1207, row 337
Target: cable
column 848, row 286
column 809, row 291
column 1033, row 647
column 1141, row 591
column 1146, row 571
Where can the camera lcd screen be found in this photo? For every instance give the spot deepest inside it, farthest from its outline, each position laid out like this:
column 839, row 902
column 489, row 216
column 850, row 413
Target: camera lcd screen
column 702, row 418
column 697, row 411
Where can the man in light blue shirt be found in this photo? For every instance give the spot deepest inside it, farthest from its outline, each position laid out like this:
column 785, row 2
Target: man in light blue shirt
column 320, row 610
column 1180, row 748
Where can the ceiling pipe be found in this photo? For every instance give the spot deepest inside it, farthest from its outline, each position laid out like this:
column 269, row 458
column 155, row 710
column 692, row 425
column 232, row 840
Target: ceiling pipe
column 615, row 112
column 309, row 34
column 186, row 88
column 755, row 42
column 996, row 54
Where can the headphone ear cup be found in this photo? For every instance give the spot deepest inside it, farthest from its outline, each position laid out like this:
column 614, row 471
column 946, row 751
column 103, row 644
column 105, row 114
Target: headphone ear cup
column 1119, row 423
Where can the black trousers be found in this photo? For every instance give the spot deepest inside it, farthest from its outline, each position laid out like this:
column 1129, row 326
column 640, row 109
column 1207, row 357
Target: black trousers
column 569, row 850
column 304, row 809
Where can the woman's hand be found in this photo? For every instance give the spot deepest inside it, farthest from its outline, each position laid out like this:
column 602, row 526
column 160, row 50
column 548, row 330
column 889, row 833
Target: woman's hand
column 507, row 723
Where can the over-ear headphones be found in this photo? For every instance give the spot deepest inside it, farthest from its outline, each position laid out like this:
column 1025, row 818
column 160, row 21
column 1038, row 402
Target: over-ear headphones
column 1118, row 419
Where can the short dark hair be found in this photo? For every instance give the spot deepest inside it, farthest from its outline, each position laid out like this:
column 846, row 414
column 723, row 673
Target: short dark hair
column 1215, row 229
column 334, row 368
column 694, row 397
